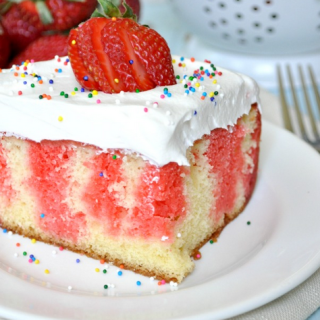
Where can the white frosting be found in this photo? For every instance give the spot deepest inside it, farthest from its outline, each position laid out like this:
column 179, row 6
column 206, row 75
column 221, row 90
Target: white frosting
column 120, row 121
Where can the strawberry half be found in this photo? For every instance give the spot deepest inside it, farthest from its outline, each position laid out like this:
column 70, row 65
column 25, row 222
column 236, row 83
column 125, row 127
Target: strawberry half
column 74, row 56
column 111, row 52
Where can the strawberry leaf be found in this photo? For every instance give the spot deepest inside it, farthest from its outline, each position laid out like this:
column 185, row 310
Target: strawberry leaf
column 128, row 12
column 117, row 3
column 97, row 14
column 15, row 1
column 4, row 7
column 110, row 9
column 44, row 13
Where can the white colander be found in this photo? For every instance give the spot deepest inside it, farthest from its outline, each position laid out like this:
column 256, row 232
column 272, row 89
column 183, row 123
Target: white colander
column 254, row 26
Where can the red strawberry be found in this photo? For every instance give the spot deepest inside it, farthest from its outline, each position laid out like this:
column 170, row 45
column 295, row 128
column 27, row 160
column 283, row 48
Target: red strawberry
column 76, row 60
column 118, row 54
column 44, row 48
column 22, row 24
column 4, row 48
column 68, row 14
column 26, row 20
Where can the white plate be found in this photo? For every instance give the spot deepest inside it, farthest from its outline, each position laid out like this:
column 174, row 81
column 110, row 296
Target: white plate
column 248, row 267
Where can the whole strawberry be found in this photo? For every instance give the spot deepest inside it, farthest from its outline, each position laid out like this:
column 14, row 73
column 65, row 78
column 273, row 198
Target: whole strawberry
column 44, row 48
column 22, row 24
column 4, row 48
column 68, row 14
column 26, row 20
column 111, row 52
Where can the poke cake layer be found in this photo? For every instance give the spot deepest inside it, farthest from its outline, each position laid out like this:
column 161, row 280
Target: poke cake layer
column 121, row 208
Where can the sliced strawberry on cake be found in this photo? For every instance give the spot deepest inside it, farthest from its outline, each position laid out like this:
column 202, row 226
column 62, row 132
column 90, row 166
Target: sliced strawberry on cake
column 118, row 53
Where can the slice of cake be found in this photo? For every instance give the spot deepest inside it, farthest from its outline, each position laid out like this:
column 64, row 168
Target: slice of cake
column 137, row 179
column 140, row 179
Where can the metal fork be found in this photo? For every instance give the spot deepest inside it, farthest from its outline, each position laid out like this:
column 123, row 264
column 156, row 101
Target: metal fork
column 313, row 135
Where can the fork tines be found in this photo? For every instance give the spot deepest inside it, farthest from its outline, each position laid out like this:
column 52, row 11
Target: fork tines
column 302, row 117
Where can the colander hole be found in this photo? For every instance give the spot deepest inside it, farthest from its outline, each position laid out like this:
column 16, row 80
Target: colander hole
column 240, row 31
column 223, row 21
column 258, row 39
column 237, row 0
column 268, row 2
column 226, row 36
column 222, row 5
column 212, row 24
column 274, row 16
column 207, row 9
column 242, row 41
column 255, row 8
column 270, row 30
column 239, row 15
column 257, row 25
